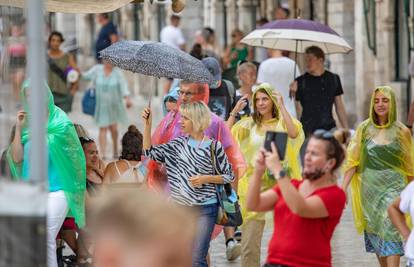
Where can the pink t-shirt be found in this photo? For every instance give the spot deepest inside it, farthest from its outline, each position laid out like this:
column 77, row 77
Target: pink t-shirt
column 299, row 241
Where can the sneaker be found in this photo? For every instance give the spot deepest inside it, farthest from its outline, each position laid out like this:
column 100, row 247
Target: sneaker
column 233, row 250
column 238, row 235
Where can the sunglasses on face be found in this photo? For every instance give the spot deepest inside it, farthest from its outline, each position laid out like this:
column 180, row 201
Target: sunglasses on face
column 185, row 93
column 324, row 134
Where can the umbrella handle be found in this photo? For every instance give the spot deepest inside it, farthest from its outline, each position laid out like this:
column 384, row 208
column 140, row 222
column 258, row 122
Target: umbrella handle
column 291, row 93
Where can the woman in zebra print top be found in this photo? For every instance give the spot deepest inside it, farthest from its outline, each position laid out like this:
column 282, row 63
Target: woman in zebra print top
column 190, row 171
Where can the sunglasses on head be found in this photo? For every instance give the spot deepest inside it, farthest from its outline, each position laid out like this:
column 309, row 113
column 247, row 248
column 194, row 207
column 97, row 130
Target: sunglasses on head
column 324, row 134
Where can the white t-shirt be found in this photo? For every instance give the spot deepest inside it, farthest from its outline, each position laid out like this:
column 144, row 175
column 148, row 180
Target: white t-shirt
column 407, row 206
column 172, row 36
column 278, row 72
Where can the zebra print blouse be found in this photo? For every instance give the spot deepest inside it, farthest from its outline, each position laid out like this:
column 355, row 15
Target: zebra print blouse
column 183, row 161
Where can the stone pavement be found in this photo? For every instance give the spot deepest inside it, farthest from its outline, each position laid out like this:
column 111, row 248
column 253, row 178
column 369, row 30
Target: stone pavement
column 347, row 245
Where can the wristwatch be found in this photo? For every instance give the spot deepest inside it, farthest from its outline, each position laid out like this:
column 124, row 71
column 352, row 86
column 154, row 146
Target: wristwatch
column 282, row 174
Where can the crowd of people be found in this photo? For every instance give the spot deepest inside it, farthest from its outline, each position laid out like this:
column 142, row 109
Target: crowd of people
column 158, row 200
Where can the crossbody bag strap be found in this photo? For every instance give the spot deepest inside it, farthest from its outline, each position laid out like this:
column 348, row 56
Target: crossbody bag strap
column 55, row 68
column 215, row 171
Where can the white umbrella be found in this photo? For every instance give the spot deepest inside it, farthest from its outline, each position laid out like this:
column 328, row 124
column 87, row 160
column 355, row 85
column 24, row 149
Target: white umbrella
column 296, row 35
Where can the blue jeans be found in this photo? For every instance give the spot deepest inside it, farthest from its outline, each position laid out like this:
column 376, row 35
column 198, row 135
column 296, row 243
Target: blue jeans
column 205, row 227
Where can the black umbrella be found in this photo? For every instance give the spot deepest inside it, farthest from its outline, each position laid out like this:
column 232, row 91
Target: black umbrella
column 156, row 59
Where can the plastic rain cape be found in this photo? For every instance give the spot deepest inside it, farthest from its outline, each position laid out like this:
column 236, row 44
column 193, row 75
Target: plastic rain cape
column 383, row 158
column 169, row 129
column 250, row 138
column 65, row 152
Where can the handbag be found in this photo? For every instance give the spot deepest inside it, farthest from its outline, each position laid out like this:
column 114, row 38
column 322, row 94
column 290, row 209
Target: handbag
column 229, row 213
column 89, row 102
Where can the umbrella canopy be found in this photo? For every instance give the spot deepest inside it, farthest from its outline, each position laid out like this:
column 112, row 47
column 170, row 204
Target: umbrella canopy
column 73, row 6
column 156, row 59
column 296, row 35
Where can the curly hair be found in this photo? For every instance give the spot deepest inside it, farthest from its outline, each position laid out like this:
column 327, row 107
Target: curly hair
column 132, row 144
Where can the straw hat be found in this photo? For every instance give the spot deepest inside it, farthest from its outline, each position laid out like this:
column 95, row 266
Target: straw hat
column 178, row 5
column 73, row 6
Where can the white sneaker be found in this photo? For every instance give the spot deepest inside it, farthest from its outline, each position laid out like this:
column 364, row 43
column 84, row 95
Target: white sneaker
column 233, row 250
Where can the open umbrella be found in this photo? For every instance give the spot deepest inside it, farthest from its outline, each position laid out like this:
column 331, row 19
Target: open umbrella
column 73, row 6
column 156, row 59
column 296, row 35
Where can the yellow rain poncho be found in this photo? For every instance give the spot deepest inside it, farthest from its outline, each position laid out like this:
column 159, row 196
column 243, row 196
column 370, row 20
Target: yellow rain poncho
column 382, row 155
column 250, row 137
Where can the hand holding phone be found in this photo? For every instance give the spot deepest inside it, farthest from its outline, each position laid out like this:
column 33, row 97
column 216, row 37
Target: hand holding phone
column 280, row 141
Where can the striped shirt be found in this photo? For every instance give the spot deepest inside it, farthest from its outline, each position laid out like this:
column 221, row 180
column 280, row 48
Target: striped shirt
column 183, row 161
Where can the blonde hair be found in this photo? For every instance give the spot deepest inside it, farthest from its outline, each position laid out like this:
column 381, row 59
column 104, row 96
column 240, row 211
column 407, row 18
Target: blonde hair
column 137, row 215
column 198, row 113
column 245, row 66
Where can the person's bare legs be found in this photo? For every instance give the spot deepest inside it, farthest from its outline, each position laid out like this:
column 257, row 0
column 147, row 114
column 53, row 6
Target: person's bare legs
column 382, row 261
column 70, row 238
column 228, row 232
column 102, row 140
column 17, row 79
column 114, row 133
column 393, row 261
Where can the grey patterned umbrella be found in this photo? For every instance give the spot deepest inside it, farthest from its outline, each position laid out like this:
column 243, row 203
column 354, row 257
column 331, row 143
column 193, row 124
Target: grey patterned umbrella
column 156, row 59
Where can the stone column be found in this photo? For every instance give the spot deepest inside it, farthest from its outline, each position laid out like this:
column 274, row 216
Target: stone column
column 341, row 16
column 364, row 65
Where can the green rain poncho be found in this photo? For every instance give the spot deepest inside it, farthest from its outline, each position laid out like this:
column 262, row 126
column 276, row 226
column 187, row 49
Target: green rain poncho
column 383, row 158
column 66, row 156
column 250, row 137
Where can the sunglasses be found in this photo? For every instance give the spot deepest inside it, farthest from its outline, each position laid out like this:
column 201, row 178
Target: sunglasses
column 324, row 134
column 185, row 93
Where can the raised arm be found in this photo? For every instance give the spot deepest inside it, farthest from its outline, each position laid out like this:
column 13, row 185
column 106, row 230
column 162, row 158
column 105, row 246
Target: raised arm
column 17, row 146
column 147, row 118
column 257, row 201
column 292, row 131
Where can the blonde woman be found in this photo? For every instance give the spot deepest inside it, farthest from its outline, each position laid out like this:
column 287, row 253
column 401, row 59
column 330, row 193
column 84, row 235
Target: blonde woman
column 190, row 171
column 269, row 114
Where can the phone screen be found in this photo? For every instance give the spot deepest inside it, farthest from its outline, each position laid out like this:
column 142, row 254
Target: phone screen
column 280, row 141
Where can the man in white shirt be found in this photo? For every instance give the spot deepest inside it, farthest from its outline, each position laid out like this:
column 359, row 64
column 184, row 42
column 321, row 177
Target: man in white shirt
column 278, row 71
column 172, row 34
column 404, row 205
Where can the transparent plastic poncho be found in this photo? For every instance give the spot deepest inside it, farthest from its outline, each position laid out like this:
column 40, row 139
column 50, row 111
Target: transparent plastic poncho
column 65, row 153
column 250, row 137
column 383, row 159
column 169, row 128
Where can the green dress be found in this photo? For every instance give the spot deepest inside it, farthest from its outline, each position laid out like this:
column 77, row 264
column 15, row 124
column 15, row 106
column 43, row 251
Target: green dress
column 110, row 91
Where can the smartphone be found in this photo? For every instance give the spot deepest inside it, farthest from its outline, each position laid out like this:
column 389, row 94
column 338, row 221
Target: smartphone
column 280, row 141
column 246, row 110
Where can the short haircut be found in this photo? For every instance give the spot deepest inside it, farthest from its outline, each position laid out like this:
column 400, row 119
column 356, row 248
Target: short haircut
column 139, row 216
column 58, row 34
column 132, row 144
column 198, row 113
column 286, row 10
column 245, row 66
column 316, row 51
column 104, row 15
column 175, row 17
column 334, row 150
